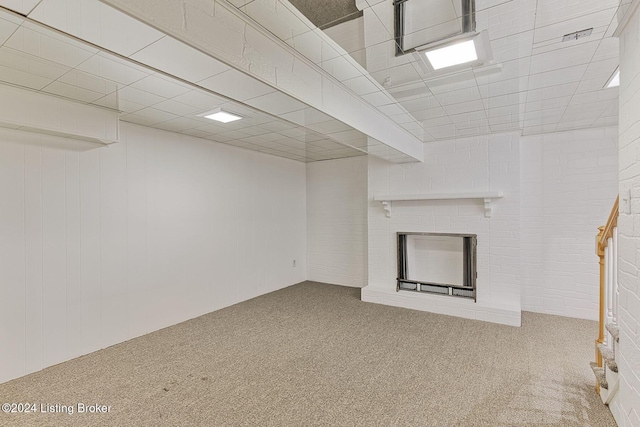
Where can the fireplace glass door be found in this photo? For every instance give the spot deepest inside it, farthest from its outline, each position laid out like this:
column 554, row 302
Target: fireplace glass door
column 437, row 263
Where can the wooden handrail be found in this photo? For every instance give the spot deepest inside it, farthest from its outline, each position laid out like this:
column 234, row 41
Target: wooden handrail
column 602, row 241
column 607, row 230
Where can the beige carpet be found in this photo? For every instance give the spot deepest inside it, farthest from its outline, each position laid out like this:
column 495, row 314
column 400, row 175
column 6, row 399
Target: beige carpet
column 314, row 354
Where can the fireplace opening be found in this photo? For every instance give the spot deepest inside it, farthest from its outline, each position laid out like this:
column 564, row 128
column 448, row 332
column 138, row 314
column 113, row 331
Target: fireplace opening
column 437, row 263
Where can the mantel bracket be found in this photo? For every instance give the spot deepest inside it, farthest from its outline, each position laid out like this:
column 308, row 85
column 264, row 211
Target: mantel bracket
column 488, row 209
column 386, row 205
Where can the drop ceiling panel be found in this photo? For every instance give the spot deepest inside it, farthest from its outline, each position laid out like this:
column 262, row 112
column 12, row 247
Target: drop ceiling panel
column 26, row 70
column 72, row 91
column 89, row 82
column 129, row 93
column 558, row 43
column 276, row 102
column 95, row 22
column 496, row 102
column 33, row 42
column 554, row 31
column 21, row 6
column 199, row 99
column 563, row 57
column 114, row 69
column 608, row 49
column 506, row 87
column 512, row 47
column 154, row 115
column 177, row 108
column 308, row 44
column 161, row 86
column 551, row 12
column 504, row 19
column 235, row 84
column 595, row 96
column 551, row 89
column 557, row 77
column 378, row 99
column 362, row 85
column 445, row 99
column 548, row 103
column 7, row 28
column 177, row 59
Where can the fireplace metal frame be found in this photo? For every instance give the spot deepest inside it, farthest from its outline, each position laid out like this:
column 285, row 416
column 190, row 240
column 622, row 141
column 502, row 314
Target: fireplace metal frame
column 468, row 290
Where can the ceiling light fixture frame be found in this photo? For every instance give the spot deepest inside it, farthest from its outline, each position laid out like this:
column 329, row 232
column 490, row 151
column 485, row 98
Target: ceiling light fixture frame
column 483, row 52
column 468, row 24
column 231, row 116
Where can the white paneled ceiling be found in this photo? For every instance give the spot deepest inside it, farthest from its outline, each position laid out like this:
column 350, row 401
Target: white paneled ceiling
column 536, row 82
column 156, row 81
column 89, row 52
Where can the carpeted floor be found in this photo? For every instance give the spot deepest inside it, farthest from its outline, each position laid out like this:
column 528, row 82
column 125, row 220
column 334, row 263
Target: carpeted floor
column 314, row 354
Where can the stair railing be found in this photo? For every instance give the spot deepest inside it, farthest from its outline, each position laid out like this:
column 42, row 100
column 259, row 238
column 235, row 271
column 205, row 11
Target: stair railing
column 607, row 251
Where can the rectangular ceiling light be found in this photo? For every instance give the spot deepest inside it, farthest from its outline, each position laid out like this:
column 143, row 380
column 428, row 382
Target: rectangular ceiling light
column 614, row 80
column 220, row 115
column 455, row 54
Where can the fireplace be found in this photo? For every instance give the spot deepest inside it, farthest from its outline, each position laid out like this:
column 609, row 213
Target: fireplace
column 437, row 263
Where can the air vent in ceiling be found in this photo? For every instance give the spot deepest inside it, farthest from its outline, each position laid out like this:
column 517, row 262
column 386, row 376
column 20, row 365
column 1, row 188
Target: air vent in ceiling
column 577, row 35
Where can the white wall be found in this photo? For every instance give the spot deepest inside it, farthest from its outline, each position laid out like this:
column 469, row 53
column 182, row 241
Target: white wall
column 558, row 189
column 569, row 184
column 337, row 221
column 465, row 165
column 100, row 246
column 626, row 408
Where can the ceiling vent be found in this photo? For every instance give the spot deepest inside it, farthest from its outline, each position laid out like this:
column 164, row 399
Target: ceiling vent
column 577, row 35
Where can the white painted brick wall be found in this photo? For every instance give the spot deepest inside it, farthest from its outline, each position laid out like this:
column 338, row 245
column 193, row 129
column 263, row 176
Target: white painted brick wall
column 569, row 183
column 558, row 189
column 626, row 408
column 103, row 245
column 337, row 221
column 484, row 163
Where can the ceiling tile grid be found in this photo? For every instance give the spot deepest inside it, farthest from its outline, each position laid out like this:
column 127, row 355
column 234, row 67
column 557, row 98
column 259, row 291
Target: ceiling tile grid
column 537, row 83
column 37, row 58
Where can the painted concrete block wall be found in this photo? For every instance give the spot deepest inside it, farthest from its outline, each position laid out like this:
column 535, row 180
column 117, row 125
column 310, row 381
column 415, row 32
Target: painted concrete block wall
column 103, row 245
column 626, row 407
column 484, row 163
column 337, row 221
column 569, row 181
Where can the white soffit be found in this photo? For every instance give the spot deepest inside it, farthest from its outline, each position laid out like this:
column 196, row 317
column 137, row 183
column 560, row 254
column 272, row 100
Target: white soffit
column 532, row 67
column 533, row 70
column 232, row 37
column 37, row 58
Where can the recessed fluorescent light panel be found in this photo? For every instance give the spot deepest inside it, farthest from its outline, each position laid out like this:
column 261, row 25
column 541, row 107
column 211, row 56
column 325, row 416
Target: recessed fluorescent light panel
column 455, row 54
column 614, row 80
column 220, row 115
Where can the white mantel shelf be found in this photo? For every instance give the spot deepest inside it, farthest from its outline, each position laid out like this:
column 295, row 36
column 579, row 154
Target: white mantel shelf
column 486, row 196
